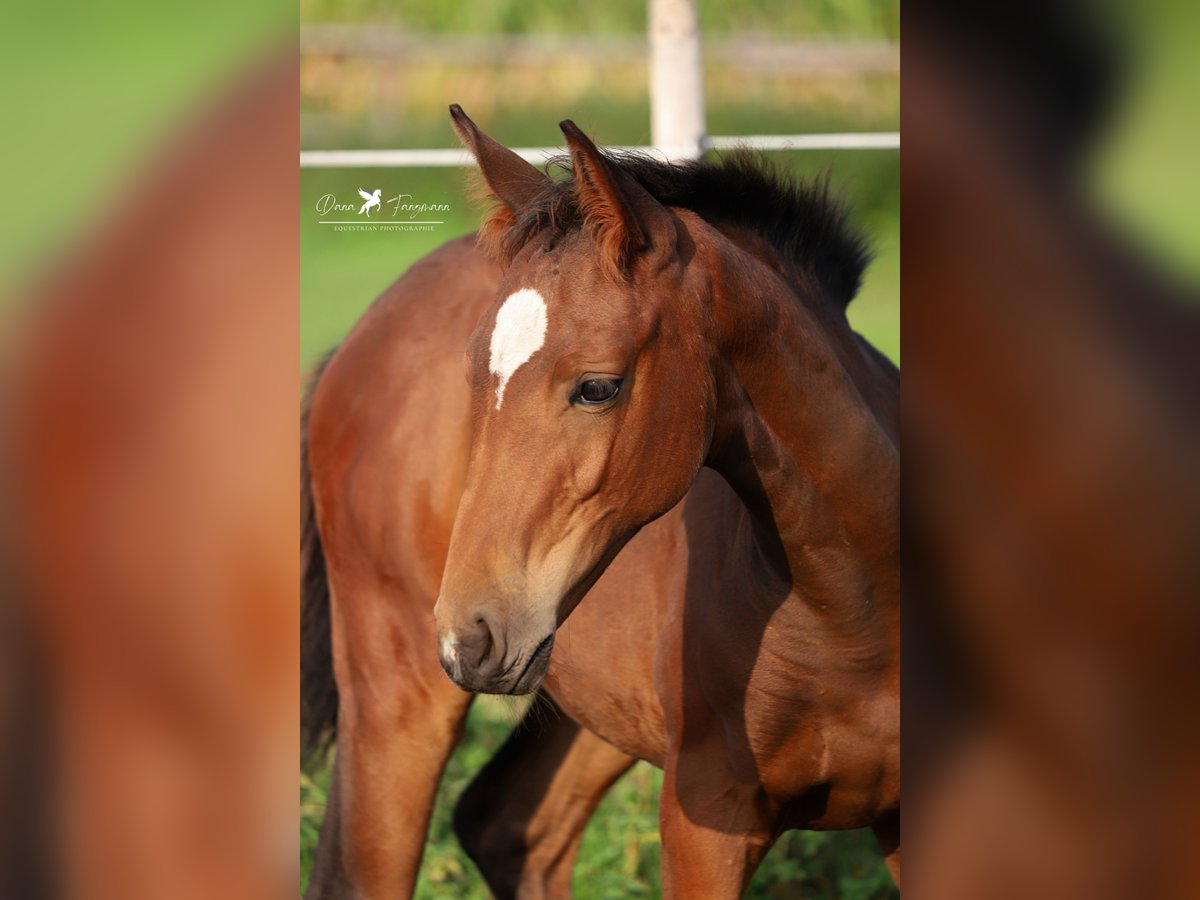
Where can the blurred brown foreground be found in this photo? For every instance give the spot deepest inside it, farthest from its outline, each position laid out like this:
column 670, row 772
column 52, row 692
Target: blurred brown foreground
column 1052, row 469
column 149, row 710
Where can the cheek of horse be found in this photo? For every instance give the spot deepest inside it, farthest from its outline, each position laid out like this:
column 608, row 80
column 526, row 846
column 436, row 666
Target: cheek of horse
column 588, row 467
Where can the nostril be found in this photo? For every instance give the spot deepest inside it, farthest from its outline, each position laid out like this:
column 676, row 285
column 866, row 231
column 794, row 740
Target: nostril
column 488, row 648
column 487, row 642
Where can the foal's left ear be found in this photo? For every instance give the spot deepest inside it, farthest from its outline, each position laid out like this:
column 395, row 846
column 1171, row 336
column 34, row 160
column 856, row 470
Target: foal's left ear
column 629, row 222
column 511, row 179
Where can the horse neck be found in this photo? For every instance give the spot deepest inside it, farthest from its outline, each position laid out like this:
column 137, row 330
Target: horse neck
column 806, row 434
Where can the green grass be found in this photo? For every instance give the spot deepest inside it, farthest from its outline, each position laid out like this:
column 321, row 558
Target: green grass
column 620, row 855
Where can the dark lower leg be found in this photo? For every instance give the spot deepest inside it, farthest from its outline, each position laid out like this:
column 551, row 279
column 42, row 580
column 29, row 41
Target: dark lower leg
column 522, row 819
column 887, row 832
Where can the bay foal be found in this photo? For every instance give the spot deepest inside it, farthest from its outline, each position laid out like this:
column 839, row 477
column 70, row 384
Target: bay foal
column 658, row 360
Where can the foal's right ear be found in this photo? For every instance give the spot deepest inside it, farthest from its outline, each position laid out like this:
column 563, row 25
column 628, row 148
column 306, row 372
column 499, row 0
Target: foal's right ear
column 511, row 179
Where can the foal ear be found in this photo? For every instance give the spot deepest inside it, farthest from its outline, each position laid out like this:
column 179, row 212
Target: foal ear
column 628, row 221
column 511, row 179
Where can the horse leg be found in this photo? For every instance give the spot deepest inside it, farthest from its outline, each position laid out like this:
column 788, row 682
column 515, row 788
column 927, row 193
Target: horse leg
column 887, row 833
column 522, row 818
column 715, row 829
column 399, row 718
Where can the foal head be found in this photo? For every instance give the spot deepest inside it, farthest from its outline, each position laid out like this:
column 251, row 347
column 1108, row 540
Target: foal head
column 593, row 399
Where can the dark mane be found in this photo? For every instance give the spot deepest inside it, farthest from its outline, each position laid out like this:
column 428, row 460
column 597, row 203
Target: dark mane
column 800, row 219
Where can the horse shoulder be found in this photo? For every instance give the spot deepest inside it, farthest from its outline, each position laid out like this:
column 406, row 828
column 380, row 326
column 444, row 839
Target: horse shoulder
column 389, row 426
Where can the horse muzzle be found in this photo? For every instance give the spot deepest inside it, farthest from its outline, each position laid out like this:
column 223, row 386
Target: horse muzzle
column 478, row 658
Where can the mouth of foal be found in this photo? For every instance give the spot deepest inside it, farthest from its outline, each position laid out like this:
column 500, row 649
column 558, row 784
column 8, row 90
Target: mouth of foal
column 539, row 652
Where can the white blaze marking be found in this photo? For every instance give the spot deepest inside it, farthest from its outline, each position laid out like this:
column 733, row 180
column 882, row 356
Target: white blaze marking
column 519, row 333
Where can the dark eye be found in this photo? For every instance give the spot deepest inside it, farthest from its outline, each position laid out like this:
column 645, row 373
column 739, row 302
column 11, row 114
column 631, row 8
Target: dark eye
column 598, row 390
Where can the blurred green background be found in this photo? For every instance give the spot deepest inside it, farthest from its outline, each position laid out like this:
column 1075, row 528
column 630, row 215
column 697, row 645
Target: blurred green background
column 91, row 92
column 771, row 67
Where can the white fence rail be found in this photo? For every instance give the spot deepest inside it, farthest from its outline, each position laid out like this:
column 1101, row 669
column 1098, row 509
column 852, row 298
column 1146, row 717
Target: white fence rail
column 441, row 158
